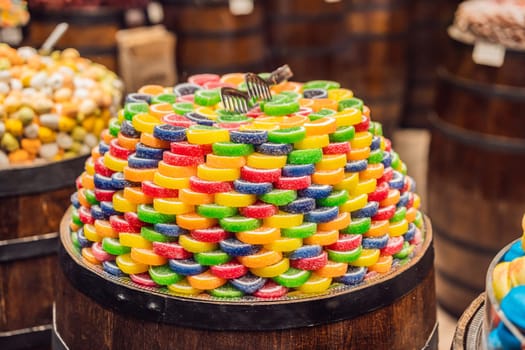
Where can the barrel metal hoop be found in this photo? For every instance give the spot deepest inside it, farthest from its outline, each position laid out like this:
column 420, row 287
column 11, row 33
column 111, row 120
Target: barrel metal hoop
column 38, row 336
column 41, row 178
column 511, row 93
column 82, row 17
column 432, row 341
column 337, row 47
column 387, row 98
column 308, row 51
column 470, row 246
column 57, row 342
column 457, row 282
column 476, row 139
column 28, row 247
column 388, row 36
column 369, row 6
column 224, row 35
column 335, row 305
column 306, row 18
column 198, row 3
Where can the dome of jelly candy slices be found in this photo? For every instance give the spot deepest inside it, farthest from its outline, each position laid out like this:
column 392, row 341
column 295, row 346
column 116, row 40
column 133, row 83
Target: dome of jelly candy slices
column 52, row 107
column 508, row 289
column 298, row 194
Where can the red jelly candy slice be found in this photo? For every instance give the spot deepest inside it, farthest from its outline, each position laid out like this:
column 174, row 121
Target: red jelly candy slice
column 171, row 250
column 229, row 270
column 310, row 264
column 271, row 290
column 210, row 235
column 346, row 242
column 259, row 210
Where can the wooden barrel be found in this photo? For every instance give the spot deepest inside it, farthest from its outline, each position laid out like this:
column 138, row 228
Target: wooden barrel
column 396, row 312
column 307, row 35
column 373, row 61
column 476, row 163
column 469, row 330
column 210, row 39
column 32, row 202
column 91, row 31
column 426, row 50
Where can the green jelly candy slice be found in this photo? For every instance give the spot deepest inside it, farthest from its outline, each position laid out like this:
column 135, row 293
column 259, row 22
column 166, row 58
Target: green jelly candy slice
column 358, row 226
column 231, row 149
column 344, row 256
column 215, row 211
column 112, row 246
column 212, row 258
column 304, row 230
column 335, row 199
column 114, row 127
column 133, row 108
column 399, row 214
column 164, row 98
column 207, row 98
column 226, row 291
column 288, row 135
column 74, row 240
column 182, row 108
column 305, row 156
column 404, row 252
column 376, row 156
column 320, row 114
column 293, row 278
column 239, row 223
column 147, row 214
column 351, row 102
column 279, row 197
column 321, row 84
column 342, row 134
column 163, row 275
column 153, row 236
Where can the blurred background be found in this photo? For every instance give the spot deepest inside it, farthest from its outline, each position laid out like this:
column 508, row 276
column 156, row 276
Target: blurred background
column 386, row 51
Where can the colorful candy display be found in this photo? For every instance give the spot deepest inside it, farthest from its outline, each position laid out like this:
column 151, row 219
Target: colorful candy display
column 300, row 194
column 52, row 107
column 13, row 13
column 496, row 21
column 507, row 294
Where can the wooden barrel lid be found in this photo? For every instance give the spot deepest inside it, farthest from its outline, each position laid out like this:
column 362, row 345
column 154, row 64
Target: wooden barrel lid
column 206, row 312
column 469, row 331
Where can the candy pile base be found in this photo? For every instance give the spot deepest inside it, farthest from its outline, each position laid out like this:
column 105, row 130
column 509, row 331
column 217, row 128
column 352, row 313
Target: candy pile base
column 114, row 313
column 299, row 197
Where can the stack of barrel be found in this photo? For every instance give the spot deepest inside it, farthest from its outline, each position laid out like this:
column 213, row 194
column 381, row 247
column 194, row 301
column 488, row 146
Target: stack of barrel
column 476, row 162
column 92, row 30
column 361, row 44
column 427, row 49
column 32, row 201
column 212, row 39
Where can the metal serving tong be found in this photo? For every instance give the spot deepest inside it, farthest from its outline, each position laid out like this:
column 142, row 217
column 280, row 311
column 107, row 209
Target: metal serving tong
column 258, row 88
column 279, row 75
column 235, row 100
column 238, row 101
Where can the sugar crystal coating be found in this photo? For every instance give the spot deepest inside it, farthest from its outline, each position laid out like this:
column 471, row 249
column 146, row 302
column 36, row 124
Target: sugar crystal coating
column 299, row 194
